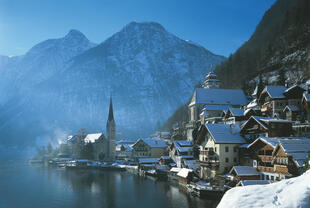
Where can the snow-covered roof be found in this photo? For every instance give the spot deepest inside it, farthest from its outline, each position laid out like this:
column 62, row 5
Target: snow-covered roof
column 295, row 145
column 184, row 172
column 272, row 141
column 307, row 97
column 148, row 160
column 254, row 182
column 245, row 170
column 175, row 170
column 216, row 107
column 252, row 104
column 154, row 142
column 293, row 192
column 219, row 96
column 236, row 111
column 183, row 146
column 165, row 157
column 191, row 164
column 91, row 138
column 293, row 108
column 225, row 133
column 273, row 120
column 275, row 91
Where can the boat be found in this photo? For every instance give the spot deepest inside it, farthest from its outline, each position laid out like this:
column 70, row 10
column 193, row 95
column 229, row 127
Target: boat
column 205, row 191
column 78, row 164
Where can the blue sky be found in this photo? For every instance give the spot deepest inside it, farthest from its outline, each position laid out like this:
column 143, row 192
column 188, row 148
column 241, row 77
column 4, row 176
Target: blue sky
column 219, row 25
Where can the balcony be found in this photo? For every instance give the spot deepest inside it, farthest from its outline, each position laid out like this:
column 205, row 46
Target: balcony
column 209, row 163
column 207, row 152
column 265, row 169
column 265, row 158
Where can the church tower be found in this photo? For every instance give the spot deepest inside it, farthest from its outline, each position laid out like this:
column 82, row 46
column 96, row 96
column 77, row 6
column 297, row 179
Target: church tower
column 111, row 134
column 211, row 81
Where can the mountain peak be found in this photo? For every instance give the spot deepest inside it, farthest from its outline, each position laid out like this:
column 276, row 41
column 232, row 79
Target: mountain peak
column 144, row 25
column 75, row 34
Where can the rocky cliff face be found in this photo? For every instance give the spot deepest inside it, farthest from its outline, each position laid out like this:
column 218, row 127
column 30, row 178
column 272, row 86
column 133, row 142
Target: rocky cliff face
column 149, row 71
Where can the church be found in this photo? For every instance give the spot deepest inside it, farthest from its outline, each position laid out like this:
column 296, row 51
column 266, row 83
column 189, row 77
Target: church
column 103, row 146
column 210, row 101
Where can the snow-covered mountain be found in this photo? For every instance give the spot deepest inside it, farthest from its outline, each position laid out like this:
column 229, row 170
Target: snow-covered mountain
column 149, row 71
column 21, row 73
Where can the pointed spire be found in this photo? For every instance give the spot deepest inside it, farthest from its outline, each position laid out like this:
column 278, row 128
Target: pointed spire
column 111, row 116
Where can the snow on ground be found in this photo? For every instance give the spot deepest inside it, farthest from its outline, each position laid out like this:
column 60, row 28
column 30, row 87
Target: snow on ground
column 290, row 193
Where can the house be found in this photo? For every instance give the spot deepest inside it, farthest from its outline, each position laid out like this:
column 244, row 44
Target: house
column 100, row 145
column 180, row 151
column 185, row 176
column 234, row 116
column 244, row 173
column 212, row 111
column 292, row 113
column 213, row 99
column 154, row 148
column 218, row 144
column 166, row 160
column 123, row 151
column 147, row 163
column 261, row 153
column 274, row 99
column 258, row 126
column 289, row 157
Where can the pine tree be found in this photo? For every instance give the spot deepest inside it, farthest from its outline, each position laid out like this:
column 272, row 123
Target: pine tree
column 281, row 78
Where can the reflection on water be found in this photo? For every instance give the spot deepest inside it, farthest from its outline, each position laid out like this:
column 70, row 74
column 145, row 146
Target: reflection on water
column 22, row 185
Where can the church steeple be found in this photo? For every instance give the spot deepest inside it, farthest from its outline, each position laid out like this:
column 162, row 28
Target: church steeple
column 111, row 132
column 111, row 116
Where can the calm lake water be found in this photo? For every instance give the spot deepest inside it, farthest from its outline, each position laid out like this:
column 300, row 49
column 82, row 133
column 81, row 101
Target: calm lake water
column 23, row 185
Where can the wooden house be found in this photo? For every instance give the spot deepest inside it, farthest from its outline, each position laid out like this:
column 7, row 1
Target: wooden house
column 244, row 173
column 261, row 153
column 274, row 99
column 289, row 157
column 258, row 126
column 292, row 113
column 185, row 176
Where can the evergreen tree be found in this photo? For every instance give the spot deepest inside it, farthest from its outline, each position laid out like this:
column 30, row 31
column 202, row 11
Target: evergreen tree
column 281, row 78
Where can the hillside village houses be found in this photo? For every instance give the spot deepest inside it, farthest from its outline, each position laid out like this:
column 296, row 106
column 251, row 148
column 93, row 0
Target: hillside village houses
column 250, row 141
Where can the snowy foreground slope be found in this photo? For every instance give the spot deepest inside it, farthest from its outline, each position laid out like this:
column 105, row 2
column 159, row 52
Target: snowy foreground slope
column 294, row 192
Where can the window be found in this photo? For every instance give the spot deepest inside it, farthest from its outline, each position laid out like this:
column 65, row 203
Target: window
column 235, row 159
column 226, row 149
column 214, row 149
column 272, row 178
column 226, row 159
column 235, row 149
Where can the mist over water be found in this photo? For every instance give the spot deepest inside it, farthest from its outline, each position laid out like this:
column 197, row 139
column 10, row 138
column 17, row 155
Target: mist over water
column 23, row 185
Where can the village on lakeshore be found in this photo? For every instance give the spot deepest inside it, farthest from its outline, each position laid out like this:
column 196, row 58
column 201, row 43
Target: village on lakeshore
column 230, row 140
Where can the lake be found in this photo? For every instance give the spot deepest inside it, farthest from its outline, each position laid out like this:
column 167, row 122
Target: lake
column 23, row 185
